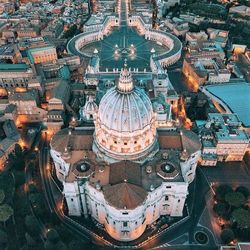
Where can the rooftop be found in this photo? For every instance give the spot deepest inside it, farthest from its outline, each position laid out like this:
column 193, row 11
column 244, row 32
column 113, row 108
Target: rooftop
column 14, row 67
column 236, row 97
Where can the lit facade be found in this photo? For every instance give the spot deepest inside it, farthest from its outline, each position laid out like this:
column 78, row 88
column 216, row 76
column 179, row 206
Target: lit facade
column 15, row 75
column 125, row 124
column 133, row 165
column 203, row 70
column 108, row 177
column 223, row 139
column 42, row 54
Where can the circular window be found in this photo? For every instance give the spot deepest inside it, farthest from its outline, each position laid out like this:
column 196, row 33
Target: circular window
column 167, row 167
column 83, row 167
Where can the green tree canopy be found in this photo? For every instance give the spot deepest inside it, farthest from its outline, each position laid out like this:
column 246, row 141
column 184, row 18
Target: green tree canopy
column 48, row 245
column 241, row 217
column 243, row 190
column 3, row 237
column 53, row 236
column 37, row 202
column 32, row 225
column 30, row 241
column 18, row 151
column 19, row 178
column 227, row 235
column 76, row 244
column 6, row 212
column 32, row 188
column 2, row 196
column 220, row 208
column 222, row 190
column 60, row 245
column 235, row 199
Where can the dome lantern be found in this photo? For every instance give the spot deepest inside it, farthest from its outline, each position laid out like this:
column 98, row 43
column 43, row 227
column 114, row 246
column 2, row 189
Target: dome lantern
column 125, row 83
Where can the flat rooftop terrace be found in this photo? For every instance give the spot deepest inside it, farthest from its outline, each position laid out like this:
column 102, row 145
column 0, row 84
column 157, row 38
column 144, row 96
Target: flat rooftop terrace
column 236, row 96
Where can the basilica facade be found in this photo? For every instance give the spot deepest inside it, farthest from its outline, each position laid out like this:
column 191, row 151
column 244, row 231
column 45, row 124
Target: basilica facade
column 131, row 166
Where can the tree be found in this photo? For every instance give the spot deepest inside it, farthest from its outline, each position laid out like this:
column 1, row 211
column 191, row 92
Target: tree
column 48, row 245
column 235, row 199
column 32, row 225
column 222, row 190
column 19, row 178
column 30, row 241
column 6, row 212
column 53, row 236
column 3, row 237
column 32, row 188
column 60, row 246
column 221, row 209
column 227, row 235
column 36, row 200
column 243, row 190
column 64, row 233
column 71, row 31
column 53, row 241
column 2, row 196
column 18, row 151
column 7, row 184
column 76, row 244
column 241, row 217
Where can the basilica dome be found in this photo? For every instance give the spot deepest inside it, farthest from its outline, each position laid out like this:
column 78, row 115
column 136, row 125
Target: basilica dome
column 125, row 123
column 127, row 112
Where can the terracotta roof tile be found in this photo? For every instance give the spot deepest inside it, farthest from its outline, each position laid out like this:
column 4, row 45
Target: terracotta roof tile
column 124, row 195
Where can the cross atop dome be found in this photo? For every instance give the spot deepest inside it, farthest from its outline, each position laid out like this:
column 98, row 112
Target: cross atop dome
column 125, row 83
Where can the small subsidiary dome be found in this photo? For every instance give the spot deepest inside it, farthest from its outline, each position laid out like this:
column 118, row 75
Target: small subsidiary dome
column 89, row 110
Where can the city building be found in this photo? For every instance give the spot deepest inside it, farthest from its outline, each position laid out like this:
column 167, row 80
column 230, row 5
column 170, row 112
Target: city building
column 231, row 98
column 219, row 36
column 28, row 106
column 10, row 53
column 205, row 49
column 60, row 96
column 125, row 172
column 55, row 120
column 196, row 36
column 242, row 10
column 240, row 60
column 15, row 75
column 9, row 138
column 178, row 26
column 205, row 70
column 222, row 139
column 42, row 54
column 54, row 29
column 163, row 6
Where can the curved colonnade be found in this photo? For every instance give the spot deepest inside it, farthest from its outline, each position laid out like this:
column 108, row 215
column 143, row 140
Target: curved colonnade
column 167, row 58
